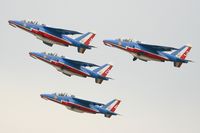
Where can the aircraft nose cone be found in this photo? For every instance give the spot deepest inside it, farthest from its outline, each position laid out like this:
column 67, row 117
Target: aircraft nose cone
column 33, row 55
column 107, row 42
column 44, row 96
column 41, row 95
column 12, row 23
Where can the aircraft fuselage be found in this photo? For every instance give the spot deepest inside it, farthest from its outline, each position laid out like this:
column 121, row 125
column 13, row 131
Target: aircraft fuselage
column 41, row 33
column 137, row 52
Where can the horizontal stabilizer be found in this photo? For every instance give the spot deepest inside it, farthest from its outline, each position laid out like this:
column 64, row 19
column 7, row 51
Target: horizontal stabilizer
column 81, row 50
column 98, row 81
column 177, row 64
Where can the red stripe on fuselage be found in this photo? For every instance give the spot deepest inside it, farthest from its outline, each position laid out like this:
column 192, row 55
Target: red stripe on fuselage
column 45, row 35
column 40, row 58
column 73, row 105
column 72, row 69
column 23, row 28
column 145, row 53
column 50, row 37
column 77, row 106
column 64, row 66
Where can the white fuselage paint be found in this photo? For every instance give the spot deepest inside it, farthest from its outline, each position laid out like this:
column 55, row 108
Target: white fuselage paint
column 47, row 40
column 143, row 57
column 75, row 109
column 67, row 72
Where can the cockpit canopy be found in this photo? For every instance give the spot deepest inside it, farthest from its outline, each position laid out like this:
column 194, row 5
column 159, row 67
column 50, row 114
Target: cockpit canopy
column 127, row 40
column 52, row 54
column 32, row 22
column 63, row 94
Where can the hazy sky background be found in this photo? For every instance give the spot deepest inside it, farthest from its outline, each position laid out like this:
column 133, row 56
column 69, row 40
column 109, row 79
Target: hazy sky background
column 156, row 97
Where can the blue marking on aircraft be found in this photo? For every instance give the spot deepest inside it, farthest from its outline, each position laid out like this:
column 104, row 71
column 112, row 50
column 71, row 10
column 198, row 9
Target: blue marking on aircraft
column 50, row 35
column 79, row 105
column 72, row 67
column 147, row 52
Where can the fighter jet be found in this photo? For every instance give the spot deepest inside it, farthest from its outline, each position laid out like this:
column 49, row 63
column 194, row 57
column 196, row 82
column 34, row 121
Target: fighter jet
column 147, row 52
column 50, row 35
column 79, row 105
column 72, row 67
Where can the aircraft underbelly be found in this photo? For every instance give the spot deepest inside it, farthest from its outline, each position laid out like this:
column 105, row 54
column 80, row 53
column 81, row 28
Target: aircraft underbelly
column 47, row 40
column 145, row 58
column 67, row 72
column 75, row 109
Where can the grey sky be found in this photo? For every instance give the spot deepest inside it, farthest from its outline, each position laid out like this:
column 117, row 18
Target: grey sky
column 156, row 97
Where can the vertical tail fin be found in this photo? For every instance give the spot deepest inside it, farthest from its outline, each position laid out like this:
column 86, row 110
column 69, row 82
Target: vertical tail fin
column 86, row 38
column 112, row 105
column 103, row 70
column 182, row 54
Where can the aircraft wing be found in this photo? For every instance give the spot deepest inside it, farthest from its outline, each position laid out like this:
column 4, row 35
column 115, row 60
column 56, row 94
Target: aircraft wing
column 157, row 47
column 80, row 63
column 86, row 102
column 61, row 31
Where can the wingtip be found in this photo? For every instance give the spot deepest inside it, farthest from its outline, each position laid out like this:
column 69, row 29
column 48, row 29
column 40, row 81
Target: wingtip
column 111, row 78
column 92, row 46
column 118, row 99
column 93, row 32
column 119, row 114
column 79, row 32
column 189, row 45
column 111, row 63
column 191, row 61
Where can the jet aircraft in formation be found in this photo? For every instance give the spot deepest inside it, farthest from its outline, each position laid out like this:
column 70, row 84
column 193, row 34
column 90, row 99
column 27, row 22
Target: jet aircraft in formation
column 81, row 106
column 72, row 67
column 147, row 52
column 69, row 67
column 51, row 35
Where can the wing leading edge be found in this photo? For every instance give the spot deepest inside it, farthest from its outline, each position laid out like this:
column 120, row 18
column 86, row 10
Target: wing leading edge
column 61, row 31
column 87, row 102
column 157, row 47
column 80, row 63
